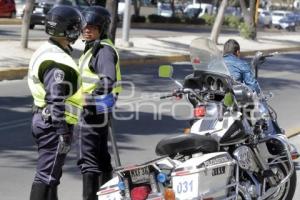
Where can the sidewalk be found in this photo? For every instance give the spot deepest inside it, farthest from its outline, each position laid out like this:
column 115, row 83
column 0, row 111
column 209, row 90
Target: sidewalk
column 14, row 59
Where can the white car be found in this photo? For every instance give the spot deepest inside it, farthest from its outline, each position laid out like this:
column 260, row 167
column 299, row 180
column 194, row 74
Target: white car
column 264, row 18
column 204, row 9
column 278, row 15
column 121, row 9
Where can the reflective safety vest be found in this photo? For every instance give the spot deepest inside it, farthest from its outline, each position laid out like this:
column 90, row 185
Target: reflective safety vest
column 90, row 78
column 43, row 58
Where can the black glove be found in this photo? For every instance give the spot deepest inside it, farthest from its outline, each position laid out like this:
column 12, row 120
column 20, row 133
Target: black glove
column 64, row 143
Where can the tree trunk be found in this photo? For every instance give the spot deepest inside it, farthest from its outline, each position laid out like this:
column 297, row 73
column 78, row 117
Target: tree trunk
column 249, row 17
column 26, row 22
column 252, row 17
column 219, row 21
column 245, row 11
column 137, row 7
column 173, row 7
column 112, row 7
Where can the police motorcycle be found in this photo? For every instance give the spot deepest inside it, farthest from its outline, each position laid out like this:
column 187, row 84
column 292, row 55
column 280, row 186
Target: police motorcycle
column 227, row 154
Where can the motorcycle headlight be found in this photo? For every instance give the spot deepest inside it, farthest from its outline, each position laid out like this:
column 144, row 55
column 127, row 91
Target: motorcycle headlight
column 245, row 158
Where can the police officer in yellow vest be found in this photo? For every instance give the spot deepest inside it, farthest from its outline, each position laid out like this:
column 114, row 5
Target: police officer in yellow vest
column 100, row 72
column 54, row 81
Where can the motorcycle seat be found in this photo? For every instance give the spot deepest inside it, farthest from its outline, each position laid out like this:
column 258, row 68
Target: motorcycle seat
column 186, row 144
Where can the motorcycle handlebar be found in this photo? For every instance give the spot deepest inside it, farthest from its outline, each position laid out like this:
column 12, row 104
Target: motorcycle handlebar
column 181, row 91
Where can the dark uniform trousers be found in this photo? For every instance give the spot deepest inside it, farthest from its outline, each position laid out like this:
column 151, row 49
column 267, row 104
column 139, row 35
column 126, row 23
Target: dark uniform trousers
column 50, row 162
column 92, row 133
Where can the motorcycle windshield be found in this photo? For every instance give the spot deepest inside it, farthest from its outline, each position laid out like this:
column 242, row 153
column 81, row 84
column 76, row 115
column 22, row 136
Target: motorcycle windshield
column 205, row 56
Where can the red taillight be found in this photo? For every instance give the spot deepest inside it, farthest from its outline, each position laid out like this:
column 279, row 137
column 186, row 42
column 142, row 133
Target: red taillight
column 140, row 193
column 295, row 156
column 196, row 60
column 199, row 111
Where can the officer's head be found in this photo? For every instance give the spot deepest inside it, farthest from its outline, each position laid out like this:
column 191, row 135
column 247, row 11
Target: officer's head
column 64, row 22
column 231, row 47
column 97, row 21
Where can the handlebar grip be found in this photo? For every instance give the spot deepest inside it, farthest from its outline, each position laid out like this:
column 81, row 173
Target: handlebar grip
column 166, row 96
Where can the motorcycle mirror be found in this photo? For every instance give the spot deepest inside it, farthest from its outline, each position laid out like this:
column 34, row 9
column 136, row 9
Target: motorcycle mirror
column 165, row 71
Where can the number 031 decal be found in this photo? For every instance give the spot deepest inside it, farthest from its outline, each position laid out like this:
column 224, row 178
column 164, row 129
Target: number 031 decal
column 184, row 187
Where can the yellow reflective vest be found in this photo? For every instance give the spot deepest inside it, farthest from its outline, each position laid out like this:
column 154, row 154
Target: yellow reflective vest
column 90, row 78
column 44, row 57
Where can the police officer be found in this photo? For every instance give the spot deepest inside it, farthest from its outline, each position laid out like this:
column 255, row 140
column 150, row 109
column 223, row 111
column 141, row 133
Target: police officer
column 101, row 75
column 54, row 80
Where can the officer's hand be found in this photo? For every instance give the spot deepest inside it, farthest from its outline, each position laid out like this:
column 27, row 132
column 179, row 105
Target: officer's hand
column 104, row 103
column 64, row 143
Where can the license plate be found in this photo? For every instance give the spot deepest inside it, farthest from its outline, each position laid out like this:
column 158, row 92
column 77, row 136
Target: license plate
column 186, row 187
column 140, row 175
column 218, row 171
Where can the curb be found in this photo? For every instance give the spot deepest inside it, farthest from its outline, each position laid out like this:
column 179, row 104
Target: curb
column 292, row 132
column 8, row 21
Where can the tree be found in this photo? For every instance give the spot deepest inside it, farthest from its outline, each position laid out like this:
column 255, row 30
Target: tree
column 26, row 22
column 218, row 22
column 137, row 7
column 112, row 7
column 249, row 16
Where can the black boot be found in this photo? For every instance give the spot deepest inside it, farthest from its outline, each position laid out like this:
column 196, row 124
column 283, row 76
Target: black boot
column 39, row 191
column 104, row 177
column 52, row 194
column 90, row 186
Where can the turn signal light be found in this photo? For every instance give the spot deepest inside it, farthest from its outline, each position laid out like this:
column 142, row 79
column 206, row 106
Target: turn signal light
column 199, row 111
column 169, row 194
column 186, row 130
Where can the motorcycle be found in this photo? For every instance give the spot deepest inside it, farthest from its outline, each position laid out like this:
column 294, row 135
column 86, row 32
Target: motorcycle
column 226, row 154
column 229, row 118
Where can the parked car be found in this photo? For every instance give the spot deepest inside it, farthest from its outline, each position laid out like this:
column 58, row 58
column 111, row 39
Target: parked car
column 20, row 6
column 264, row 18
column 203, row 8
column 277, row 15
column 7, row 8
column 121, row 9
column 164, row 9
column 288, row 23
column 41, row 8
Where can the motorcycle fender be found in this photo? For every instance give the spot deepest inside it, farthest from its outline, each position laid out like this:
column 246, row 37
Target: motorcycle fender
column 110, row 190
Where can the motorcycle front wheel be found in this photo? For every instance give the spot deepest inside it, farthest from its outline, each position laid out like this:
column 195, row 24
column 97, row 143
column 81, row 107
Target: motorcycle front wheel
column 286, row 191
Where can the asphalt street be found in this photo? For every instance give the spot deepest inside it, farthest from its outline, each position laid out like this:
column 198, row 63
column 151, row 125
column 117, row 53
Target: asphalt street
column 143, row 120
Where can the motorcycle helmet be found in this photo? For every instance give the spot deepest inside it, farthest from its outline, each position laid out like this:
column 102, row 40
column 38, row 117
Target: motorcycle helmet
column 64, row 21
column 97, row 16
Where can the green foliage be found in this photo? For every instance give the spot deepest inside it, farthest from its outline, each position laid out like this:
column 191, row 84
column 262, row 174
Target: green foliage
column 199, row 21
column 246, row 31
column 157, row 19
column 209, row 19
column 232, row 21
column 161, row 19
column 138, row 19
column 175, row 20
